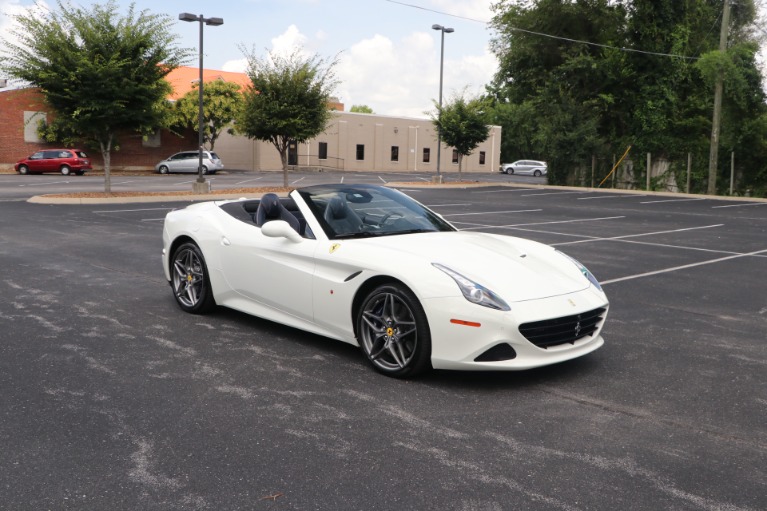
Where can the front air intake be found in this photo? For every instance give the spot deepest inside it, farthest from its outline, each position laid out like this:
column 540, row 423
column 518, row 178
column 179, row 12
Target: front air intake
column 565, row 330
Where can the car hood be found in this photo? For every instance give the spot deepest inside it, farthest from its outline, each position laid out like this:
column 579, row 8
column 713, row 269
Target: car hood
column 515, row 268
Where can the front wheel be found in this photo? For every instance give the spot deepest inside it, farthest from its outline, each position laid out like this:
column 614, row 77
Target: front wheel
column 163, row 169
column 393, row 332
column 23, row 170
column 190, row 280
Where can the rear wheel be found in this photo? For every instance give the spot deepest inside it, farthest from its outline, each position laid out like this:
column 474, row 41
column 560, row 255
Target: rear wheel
column 65, row 170
column 537, row 173
column 190, row 280
column 393, row 332
column 23, row 169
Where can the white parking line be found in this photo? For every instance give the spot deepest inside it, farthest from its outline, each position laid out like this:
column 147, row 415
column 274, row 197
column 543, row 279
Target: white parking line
column 248, row 180
column 640, row 235
column 671, row 200
column 683, row 267
column 495, row 212
column 131, row 210
column 516, row 226
column 382, row 179
column 550, row 193
column 298, row 180
column 45, row 184
column 446, row 205
column 506, row 191
column 741, row 205
column 610, row 197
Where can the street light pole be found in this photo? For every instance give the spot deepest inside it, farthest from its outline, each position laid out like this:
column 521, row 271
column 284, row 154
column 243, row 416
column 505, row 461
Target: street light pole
column 199, row 185
column 439, row 114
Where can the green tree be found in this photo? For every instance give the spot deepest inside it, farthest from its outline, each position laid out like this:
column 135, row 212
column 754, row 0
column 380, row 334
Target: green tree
column 288, row 101
column 462, row 124
column 222, row 104
column 101, row 73
column 361, row 109
column 590, row 77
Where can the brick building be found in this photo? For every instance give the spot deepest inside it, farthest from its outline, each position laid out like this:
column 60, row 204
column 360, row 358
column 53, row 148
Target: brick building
column 360, row 142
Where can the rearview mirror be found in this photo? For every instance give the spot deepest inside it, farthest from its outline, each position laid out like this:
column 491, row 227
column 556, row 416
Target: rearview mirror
column 280, row 229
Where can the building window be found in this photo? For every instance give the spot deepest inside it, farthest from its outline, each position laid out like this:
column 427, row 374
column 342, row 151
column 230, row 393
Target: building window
column 482, row 157
column 426, row 154
column 394, row 153
column 455, row 156
column 32, row 121
column 323, row 151
column 360, row 152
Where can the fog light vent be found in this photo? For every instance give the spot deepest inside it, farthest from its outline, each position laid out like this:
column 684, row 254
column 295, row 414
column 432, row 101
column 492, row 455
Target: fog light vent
column 497, row 353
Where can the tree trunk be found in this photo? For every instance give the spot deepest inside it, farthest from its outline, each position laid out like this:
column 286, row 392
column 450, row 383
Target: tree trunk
column 106, row 154
column 284, row 159
column 460, row 165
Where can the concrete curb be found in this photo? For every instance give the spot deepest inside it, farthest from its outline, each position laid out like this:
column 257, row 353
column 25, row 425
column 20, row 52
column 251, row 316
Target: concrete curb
column 46, row 199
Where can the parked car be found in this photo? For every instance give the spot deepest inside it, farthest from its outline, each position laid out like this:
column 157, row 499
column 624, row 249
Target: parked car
column 188, row 161
column 525, row 167
column 372, row 267
column 66, row 161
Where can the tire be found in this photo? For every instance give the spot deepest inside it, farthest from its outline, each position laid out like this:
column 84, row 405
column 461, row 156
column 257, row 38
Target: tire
column 164, row 169
column 537, row 173
column 511, row 170
column 190, row 280
column 204, row 170
column 65, row 170
column 23, row 170
column 393, row 331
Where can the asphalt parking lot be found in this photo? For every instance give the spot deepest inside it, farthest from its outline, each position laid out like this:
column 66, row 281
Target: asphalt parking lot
column 112, row 398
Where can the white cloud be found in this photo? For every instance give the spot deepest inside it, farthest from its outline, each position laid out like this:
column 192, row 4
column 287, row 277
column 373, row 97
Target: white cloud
column 394, row 77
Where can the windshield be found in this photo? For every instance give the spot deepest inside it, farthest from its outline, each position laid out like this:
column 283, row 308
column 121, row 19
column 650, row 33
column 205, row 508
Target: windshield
column 360, row 211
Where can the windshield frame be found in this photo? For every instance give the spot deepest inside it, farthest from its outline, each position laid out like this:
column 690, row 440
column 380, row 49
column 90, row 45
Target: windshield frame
column 382, row 211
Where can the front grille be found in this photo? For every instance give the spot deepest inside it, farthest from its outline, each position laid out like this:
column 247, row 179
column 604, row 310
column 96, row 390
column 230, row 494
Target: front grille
column 553, row 332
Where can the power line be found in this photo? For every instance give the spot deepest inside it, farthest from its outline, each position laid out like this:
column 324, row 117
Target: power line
column 542, row 34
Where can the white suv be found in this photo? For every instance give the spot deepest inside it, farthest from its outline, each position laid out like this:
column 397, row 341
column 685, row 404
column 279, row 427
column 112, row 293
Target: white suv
column 525, row 167
column 188, row 161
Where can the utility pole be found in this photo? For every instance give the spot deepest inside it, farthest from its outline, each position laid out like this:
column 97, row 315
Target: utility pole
column 718, row 89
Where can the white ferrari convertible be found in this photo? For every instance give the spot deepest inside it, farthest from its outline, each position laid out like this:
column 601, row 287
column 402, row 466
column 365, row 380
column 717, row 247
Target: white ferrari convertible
column 370, row 266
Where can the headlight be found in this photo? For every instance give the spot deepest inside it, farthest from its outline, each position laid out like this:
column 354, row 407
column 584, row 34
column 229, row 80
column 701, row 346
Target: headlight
column 475, row 293
column 584, row 270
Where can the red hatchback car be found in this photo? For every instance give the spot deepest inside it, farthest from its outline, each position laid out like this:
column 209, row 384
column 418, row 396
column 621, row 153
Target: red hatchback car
column 66, row 161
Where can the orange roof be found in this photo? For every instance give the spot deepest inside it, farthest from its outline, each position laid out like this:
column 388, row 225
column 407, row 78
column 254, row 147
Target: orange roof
column 183, row 78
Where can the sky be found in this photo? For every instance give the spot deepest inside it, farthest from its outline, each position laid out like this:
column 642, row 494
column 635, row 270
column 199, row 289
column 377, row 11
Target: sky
column 388, row 54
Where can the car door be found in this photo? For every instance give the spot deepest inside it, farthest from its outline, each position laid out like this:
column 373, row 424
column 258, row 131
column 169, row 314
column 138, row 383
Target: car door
column 51, row 161
column 36, row 162
column 275, row 273
column 176, row 162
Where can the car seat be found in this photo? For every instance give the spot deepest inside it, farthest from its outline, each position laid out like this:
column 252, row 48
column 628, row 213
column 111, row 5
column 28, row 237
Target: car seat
column 341, row 218
column 270, row 208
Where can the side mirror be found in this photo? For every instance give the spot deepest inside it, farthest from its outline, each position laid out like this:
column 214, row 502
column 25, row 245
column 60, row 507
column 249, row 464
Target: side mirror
column 280, row 229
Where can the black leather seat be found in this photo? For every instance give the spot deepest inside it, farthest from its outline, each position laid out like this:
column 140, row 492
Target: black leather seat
column 270, row 208
column 341, row 218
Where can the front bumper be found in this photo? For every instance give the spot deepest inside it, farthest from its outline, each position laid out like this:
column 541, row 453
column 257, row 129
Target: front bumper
column 455, row 345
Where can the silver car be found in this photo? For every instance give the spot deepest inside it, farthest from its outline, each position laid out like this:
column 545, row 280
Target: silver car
column 525, row 167
column 188, row 161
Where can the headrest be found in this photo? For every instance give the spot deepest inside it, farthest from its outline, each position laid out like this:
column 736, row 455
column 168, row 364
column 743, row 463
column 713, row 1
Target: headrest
column 271, row 205
column 337, row 208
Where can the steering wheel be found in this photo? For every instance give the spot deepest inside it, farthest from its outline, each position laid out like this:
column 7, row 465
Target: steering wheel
column 386, row 217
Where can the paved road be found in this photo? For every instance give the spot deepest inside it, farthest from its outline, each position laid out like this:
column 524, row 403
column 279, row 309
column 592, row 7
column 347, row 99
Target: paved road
column 14, row 186
column 112, row 398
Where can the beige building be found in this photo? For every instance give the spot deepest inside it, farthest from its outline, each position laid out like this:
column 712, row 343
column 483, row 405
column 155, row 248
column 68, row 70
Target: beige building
column 367, row 143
